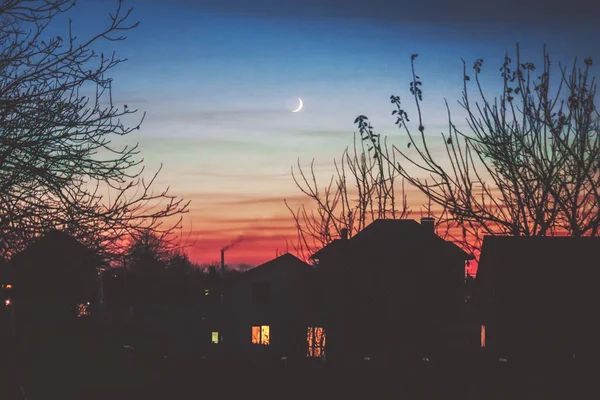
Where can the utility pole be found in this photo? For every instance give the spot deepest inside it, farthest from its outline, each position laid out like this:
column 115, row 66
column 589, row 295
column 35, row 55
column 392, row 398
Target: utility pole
column 13, row 381
column 222, row 303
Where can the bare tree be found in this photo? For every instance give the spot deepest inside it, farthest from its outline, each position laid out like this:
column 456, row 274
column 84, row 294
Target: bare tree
column 58, row 165
column 148, row 253
column 363, row 189
column 529, row 163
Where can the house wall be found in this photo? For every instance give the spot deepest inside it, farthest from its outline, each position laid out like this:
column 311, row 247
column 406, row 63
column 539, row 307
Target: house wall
column 399, row 300
column 48, row 288
column 286, row 313
column 537, row 297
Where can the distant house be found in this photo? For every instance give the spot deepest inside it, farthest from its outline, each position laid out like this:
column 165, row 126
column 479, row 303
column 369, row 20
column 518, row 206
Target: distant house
column 56, row 281
column 268, row 312
column 162, row 314
column 392, row 292
column 537, row 297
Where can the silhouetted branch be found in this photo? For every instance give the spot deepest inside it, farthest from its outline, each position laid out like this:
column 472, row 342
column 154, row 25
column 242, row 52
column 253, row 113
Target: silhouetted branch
column 361, row 190
column 58, row 165
column 528, row 164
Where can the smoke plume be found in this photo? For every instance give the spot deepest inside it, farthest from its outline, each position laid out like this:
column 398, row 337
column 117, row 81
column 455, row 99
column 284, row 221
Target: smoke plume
column 230, row 245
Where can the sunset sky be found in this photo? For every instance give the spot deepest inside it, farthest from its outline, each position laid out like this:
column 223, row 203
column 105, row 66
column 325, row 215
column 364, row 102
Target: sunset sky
column 218, row 80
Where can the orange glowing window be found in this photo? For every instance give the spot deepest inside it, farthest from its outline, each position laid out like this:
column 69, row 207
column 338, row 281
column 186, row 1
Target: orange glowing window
column 261, row 334
column 83, row 309
column 482, row 336
column 315, row 338
column 9, row 286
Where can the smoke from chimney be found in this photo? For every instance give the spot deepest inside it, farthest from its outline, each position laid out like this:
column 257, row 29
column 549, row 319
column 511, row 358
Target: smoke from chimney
column 230, row 245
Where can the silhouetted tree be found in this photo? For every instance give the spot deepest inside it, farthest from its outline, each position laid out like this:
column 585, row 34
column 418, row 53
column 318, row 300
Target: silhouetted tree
column 148, row 254
column 180, row 264
column 527, row 165
column 59, row 167
column 364, row 188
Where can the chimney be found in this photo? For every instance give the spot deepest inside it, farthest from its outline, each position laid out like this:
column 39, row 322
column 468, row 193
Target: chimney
column 428, row 223
column 222, row 263
column 344, row 234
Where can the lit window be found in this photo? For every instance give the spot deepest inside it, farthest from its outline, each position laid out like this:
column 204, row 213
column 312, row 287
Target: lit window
column 206, row 292
column 315, row 339
column 83, row 309
column 482, row 336
column 261, row 335
column 9, row 286
column 215, row 338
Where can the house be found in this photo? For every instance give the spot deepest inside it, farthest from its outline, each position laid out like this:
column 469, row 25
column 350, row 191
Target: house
column 158, row 315
column 537, row 298
column 393, row 292
column 269, row 313
column 56, row 283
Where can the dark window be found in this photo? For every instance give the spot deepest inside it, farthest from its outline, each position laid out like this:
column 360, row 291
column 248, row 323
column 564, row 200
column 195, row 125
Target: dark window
column 261, row 292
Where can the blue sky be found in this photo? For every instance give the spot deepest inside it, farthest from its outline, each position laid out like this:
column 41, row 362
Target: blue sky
column 218, row 80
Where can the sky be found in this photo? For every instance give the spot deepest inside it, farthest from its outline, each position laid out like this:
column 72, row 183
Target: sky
column 218, row 80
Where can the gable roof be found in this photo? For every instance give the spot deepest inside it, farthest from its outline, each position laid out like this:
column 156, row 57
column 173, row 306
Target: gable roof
column 551, row 268
column 286, row 260
column 54, row 245
column 536, row 255
column 384, row 230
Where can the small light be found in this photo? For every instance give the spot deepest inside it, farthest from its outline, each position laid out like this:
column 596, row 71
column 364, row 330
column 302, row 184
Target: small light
column 88, row 303
column 502, row 360
column 367, row 358
column 9, row 286
column 7, row 302
column 425, row 359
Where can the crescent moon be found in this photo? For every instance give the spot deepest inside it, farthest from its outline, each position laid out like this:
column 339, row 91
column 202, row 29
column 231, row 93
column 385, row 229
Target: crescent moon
column 300, row 106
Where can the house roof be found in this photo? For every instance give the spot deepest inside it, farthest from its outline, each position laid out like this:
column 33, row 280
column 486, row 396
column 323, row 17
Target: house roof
column 535, row 249
column 54, row 244
column 286, row 260
column 543, row 262
column 382, row 230
column 332, row 246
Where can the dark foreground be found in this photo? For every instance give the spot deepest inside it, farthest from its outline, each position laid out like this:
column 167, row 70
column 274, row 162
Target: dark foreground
column 99, row 368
